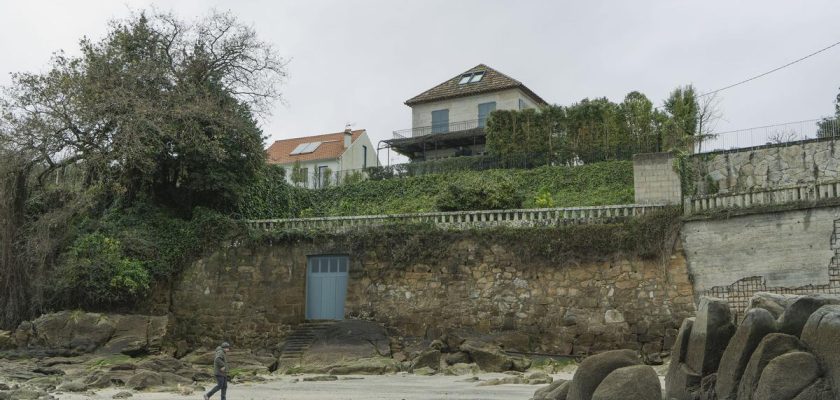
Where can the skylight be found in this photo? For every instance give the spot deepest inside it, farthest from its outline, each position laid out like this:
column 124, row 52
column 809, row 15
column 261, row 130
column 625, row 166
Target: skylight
column 471, row 77
column 305, row 148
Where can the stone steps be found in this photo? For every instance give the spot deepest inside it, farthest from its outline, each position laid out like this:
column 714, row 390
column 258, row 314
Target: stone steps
column 301, row 339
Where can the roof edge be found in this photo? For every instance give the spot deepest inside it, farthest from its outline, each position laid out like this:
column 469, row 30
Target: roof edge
column 519, row 85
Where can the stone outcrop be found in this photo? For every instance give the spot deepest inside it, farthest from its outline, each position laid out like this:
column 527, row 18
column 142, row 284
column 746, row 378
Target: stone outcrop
column 771, row 346
column 638, row 382
column 822, row 335
column 757, row 324
column 75, row 332
column 612, row 375
column 787, row 375
column 711, row 332
column 794, row 356
column 593, row 370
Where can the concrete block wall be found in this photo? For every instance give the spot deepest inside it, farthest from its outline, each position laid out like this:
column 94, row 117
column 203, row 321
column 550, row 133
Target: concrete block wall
column 654, row 179
column 788, row 252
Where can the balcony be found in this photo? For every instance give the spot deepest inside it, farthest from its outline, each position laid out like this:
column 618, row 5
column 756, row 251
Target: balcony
column 440, row 128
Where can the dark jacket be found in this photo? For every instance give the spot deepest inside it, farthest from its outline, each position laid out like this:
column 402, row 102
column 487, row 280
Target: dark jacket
column 220, row 362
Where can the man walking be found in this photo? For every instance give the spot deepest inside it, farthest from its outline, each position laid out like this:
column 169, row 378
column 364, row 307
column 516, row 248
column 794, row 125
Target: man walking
column 220, row 369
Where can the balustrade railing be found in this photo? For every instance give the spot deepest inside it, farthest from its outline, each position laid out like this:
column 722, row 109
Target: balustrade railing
column 780, row 195
column 465, row 219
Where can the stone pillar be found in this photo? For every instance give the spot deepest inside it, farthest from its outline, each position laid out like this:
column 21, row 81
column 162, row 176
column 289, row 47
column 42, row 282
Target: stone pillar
column 655, row 179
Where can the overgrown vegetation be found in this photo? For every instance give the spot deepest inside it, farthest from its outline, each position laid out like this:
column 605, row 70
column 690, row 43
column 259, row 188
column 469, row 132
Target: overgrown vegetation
column 594, row 130
column 647, row 236
column 587, row 185
column 121, row 164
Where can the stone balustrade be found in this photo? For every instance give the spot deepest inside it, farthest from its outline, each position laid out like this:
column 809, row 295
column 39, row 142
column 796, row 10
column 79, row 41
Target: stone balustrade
column 780, row 195
column 466, row 219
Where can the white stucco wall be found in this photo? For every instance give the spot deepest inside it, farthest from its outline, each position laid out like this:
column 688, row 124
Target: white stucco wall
column 353, row 157
column 466, row 108
column 351, row 160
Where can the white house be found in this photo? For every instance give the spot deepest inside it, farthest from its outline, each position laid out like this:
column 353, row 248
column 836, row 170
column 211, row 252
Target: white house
column 448, row 120
column 324, row 159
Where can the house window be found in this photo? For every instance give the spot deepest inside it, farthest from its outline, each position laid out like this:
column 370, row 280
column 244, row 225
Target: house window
column 471, row 77
column 364, row 156
column 522, row 104
column 440, row 121
column 322, row 180
column 484, row 110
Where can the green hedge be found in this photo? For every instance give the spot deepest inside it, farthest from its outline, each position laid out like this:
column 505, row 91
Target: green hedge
column 587, row 185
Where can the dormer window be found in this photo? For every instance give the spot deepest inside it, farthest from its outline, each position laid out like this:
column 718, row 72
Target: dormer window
column 471, row 77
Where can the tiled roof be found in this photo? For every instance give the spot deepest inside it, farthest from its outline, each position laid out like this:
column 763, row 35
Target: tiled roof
column 492, row 81
column 332, row 146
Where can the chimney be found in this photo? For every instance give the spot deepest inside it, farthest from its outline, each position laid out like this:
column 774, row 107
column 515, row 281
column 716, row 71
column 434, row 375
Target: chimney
column 348, row 136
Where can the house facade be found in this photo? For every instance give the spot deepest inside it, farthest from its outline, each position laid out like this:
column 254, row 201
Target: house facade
column 448, row 120
column 324, row 160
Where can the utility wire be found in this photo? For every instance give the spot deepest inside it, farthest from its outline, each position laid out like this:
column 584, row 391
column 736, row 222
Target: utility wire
column 769, row 72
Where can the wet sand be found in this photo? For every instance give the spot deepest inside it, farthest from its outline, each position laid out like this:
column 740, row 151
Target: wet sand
column 377, row 387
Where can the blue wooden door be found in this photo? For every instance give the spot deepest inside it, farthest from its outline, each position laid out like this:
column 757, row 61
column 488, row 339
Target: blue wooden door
column 326, row 287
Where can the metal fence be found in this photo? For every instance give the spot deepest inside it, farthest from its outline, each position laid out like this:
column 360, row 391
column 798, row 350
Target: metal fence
column 440, row 128
column 770, row 134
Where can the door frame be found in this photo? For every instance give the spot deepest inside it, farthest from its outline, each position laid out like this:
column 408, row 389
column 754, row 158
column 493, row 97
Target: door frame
column 307, row 278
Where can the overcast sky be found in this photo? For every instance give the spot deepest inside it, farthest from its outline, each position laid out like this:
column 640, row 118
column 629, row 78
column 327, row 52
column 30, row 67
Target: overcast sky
column 358, row 61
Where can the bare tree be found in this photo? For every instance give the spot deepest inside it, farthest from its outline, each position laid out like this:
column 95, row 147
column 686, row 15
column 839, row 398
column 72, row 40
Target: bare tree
column 708, row 115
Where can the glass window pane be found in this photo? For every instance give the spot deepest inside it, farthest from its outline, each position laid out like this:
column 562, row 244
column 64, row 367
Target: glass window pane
column 342, row 267
column 333, row 265
column 314, row 268
column 477, row 77
column 464, row 79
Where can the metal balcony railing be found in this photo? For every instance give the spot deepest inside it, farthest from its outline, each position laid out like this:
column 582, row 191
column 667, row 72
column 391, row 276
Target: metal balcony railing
column 440, row 128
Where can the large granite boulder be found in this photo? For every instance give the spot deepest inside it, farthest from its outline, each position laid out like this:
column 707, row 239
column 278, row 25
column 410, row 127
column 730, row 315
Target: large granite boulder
column 819, row 390
column 429, row 358
column 776, row 304
column 822, row 335
column 76, row 332
column 552, row 391
column 71, row 331
column 793, row 320
column 757, row 323
column 770, row 347
column 710, row 335
column 144, row 379
column 594, row 369
column 489, row 357
column 787, row 375
column 680, row 382
column 638, row 382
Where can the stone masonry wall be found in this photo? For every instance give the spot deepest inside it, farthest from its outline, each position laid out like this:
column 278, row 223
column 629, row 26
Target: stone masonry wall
column 654, row 179
column 253, row 294
column 765, row 167
column 794, row 252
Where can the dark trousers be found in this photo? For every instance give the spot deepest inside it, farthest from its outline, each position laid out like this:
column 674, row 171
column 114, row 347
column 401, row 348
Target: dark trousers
column 221, row 384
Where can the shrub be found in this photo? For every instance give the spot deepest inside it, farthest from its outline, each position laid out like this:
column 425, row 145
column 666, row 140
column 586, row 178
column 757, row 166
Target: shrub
column 95, row 271
column 479, row 194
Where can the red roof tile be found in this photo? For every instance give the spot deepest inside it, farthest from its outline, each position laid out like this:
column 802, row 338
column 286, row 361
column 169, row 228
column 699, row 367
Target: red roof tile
column 332, row 146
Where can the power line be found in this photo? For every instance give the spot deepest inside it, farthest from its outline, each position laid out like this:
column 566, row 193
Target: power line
column 769, row 72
